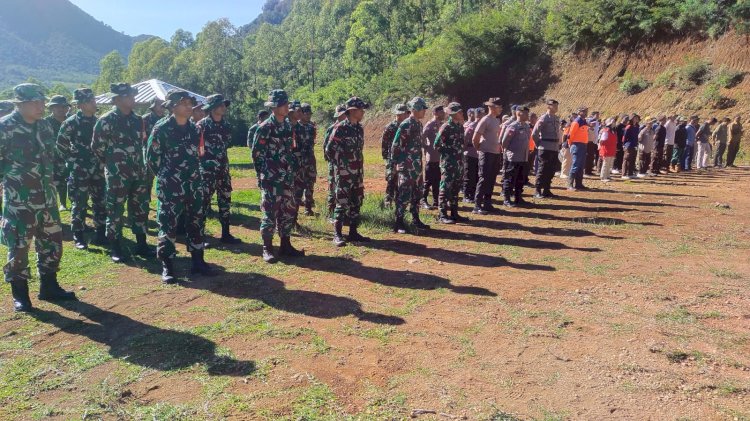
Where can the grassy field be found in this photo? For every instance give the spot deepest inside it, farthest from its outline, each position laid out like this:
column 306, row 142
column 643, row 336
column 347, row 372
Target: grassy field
column 627, row 302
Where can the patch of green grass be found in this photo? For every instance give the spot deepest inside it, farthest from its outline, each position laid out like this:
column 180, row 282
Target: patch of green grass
column 319, row 345
column 381, row 333
column 715, row 314
column 499, row 415
column 632, row 84
column 622, row 328
column 684, row 247
column 725, row 273
column 316, row 404
column 678, row 315
column 599, row 269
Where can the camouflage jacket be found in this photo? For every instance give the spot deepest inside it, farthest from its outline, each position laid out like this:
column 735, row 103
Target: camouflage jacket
column 345, row 148
column 272, row 153
column 118, row 142
column 305, row 138
column 74, row 142
column 27, row 153
column 326, row 139
column 450, row 143
column 149, row 122
column 387, row 139
column 217, row 136
column 251, row 134
column 172, row 152
column 54, row 124
column 406, row 151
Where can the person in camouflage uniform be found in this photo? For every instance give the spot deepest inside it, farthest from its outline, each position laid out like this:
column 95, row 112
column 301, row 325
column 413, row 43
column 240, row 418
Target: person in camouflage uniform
column 391, row 181
column 86, row 172
column 27, row 159
column 261, row 117
column 275, row 163
column 345, row 149
column 118, row 144
column 217, row 137
column 173, row 155
column 156, row 112
column 406, row 153
column 6, row 107
column 449, row 142
column 58, row 107
column 305, row 178
column 339, row 115
column 198, row 113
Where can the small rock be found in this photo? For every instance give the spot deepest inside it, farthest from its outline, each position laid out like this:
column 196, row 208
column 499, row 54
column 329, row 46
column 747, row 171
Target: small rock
column 722, row 205
column 82, row 288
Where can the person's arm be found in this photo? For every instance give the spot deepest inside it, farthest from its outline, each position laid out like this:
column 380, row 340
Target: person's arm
column 153, row 150
column 99, row 140
column 478, row 133
column 332, row 148
column 63, row 141
column 386, row 141
column 507, row 136
column 574, row 127
column 260, row 144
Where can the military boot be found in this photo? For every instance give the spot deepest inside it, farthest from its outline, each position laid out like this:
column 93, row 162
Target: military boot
column 142, row 248
column 167, row 271
column 338, row 237
column 354, row 234
column 20, row 290
column 79, row 240
column 50, row 290
column 443, row 218
column 455, row 216
column 199, row 264
column 268, row 254
column 226, row 237
column 399, row 227
column 286, row 249
column 115, row 252
column 100, row 239
column 417, row 222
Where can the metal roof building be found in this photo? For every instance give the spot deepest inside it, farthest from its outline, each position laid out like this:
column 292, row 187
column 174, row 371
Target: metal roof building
column 148, row 90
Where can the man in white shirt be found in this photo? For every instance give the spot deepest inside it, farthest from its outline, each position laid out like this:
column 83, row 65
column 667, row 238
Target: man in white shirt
column 671, row 126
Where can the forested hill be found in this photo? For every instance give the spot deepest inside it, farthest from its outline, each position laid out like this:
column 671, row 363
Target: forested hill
column 53, row 40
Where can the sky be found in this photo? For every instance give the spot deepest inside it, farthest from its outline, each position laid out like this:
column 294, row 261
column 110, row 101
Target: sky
column 163, row 17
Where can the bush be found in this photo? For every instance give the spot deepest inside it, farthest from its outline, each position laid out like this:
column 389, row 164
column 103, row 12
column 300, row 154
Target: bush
column 695, row 70
column 728, row 78
column 632, row 84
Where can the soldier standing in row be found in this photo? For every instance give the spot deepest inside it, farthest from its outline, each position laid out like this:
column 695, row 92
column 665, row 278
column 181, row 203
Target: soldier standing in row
column 515, row 143
column 546, row 134
column 406, row 153
column 275, row 163
column 59, row 107
column 118, row 144
column 174, row 156
column 86, row 172
column 308, row 173
column 431, row 158
column 27, row 155
column 345, row 149
column 198, row 114
column 260, row 118
column 339, row 115
column 217, row 137
column 449, row 143
column 6, row 107
column 155, row 113
column 391, row 183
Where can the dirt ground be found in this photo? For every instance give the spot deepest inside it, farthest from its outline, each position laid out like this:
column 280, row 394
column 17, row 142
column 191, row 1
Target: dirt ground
column 629, row 301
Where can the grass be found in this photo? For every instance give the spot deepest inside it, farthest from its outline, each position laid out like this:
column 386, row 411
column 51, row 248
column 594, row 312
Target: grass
column 678, row 315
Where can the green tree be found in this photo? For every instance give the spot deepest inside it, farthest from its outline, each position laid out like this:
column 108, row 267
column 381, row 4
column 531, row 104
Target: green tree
column 112, row 71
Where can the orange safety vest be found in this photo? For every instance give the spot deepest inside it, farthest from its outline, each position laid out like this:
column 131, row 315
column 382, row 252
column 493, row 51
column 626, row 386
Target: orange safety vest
column 578, row 133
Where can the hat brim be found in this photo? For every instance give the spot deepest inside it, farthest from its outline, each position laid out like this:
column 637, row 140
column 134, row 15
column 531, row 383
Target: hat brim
column 208, row 107
column 366, row 106
column 275, row 104
column 18, row 101
column 52, row 104
column 490, row 104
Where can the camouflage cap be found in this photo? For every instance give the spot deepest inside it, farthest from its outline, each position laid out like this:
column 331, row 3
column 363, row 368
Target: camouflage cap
column 306, row 108
column 6, row 106
column 400, row 109
column 454, row 108
column 83, row 95
column 26, row 92
column 294, row 105
column 213, row 101
column 340, row 110
column 356, row 103
column 174, row 96
column 154, row 102
column 261, row 114
column 417, row 104
column 277, row 98
column 122, row 89
column 58, row 100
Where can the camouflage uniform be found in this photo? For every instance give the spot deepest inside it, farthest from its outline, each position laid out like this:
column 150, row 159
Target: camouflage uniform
column 304, row 179
column 275, row 163
column 61, row 174
column 406, row 155
column 391, row 180
column 217, row 136
column 331, row 199
column 86, row 172
column 172, row 155
column 118, row 143
column 345, row 148
column 149, row 122
column 449, row 142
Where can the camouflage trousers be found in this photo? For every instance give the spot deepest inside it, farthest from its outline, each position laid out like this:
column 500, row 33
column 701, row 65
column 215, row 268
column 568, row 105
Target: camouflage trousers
column 409, row 192
column 391, row 181
column 19, row 226
column 304, row 182
column 82, row 184
column 331, row 199
column 60, row 178
column 451, row 180
column 279, row 210
column 132, row 190
column 217, row 181
column 350, row 192
column 179, row 198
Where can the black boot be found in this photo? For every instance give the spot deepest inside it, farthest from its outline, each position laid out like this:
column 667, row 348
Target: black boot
column 142, row 248
column 268, row 254
column 399, row 227
column 115, row 252
column 417, row 222
column 79, row 240
column 338, row 237
column 538, row 194
column 50, row 290
column 444, row 218
column 354, row 234
column 286, row 249
column 167, row 271
column 199, row 264
column 226, row 237
column 455, row 216
column 508, row 203
column 20, row 290
column 101, row 236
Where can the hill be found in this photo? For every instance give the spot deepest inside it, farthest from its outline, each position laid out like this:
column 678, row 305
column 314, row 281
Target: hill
column 54, row 41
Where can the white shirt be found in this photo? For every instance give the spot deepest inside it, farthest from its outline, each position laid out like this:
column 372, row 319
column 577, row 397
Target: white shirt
column 671, row 127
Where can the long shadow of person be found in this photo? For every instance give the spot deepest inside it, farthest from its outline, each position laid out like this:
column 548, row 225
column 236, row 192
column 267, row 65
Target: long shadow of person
column 142, row 344
column 502, row 241
column 387, row 277
column 274, row 293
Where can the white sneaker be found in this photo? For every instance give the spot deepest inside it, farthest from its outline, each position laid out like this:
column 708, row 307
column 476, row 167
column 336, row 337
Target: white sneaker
column 626, row 177
column 641, row 175
column 615, row 171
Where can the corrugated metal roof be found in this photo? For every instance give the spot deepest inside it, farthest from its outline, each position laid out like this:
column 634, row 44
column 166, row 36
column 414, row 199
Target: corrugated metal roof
column 148, row 90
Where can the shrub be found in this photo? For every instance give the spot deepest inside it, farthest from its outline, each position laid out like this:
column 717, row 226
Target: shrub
column 632, row 84
column 694, row 70
column 728, row 78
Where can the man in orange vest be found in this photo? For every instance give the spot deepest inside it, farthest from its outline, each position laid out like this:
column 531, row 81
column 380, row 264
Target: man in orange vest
column 578, row 139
